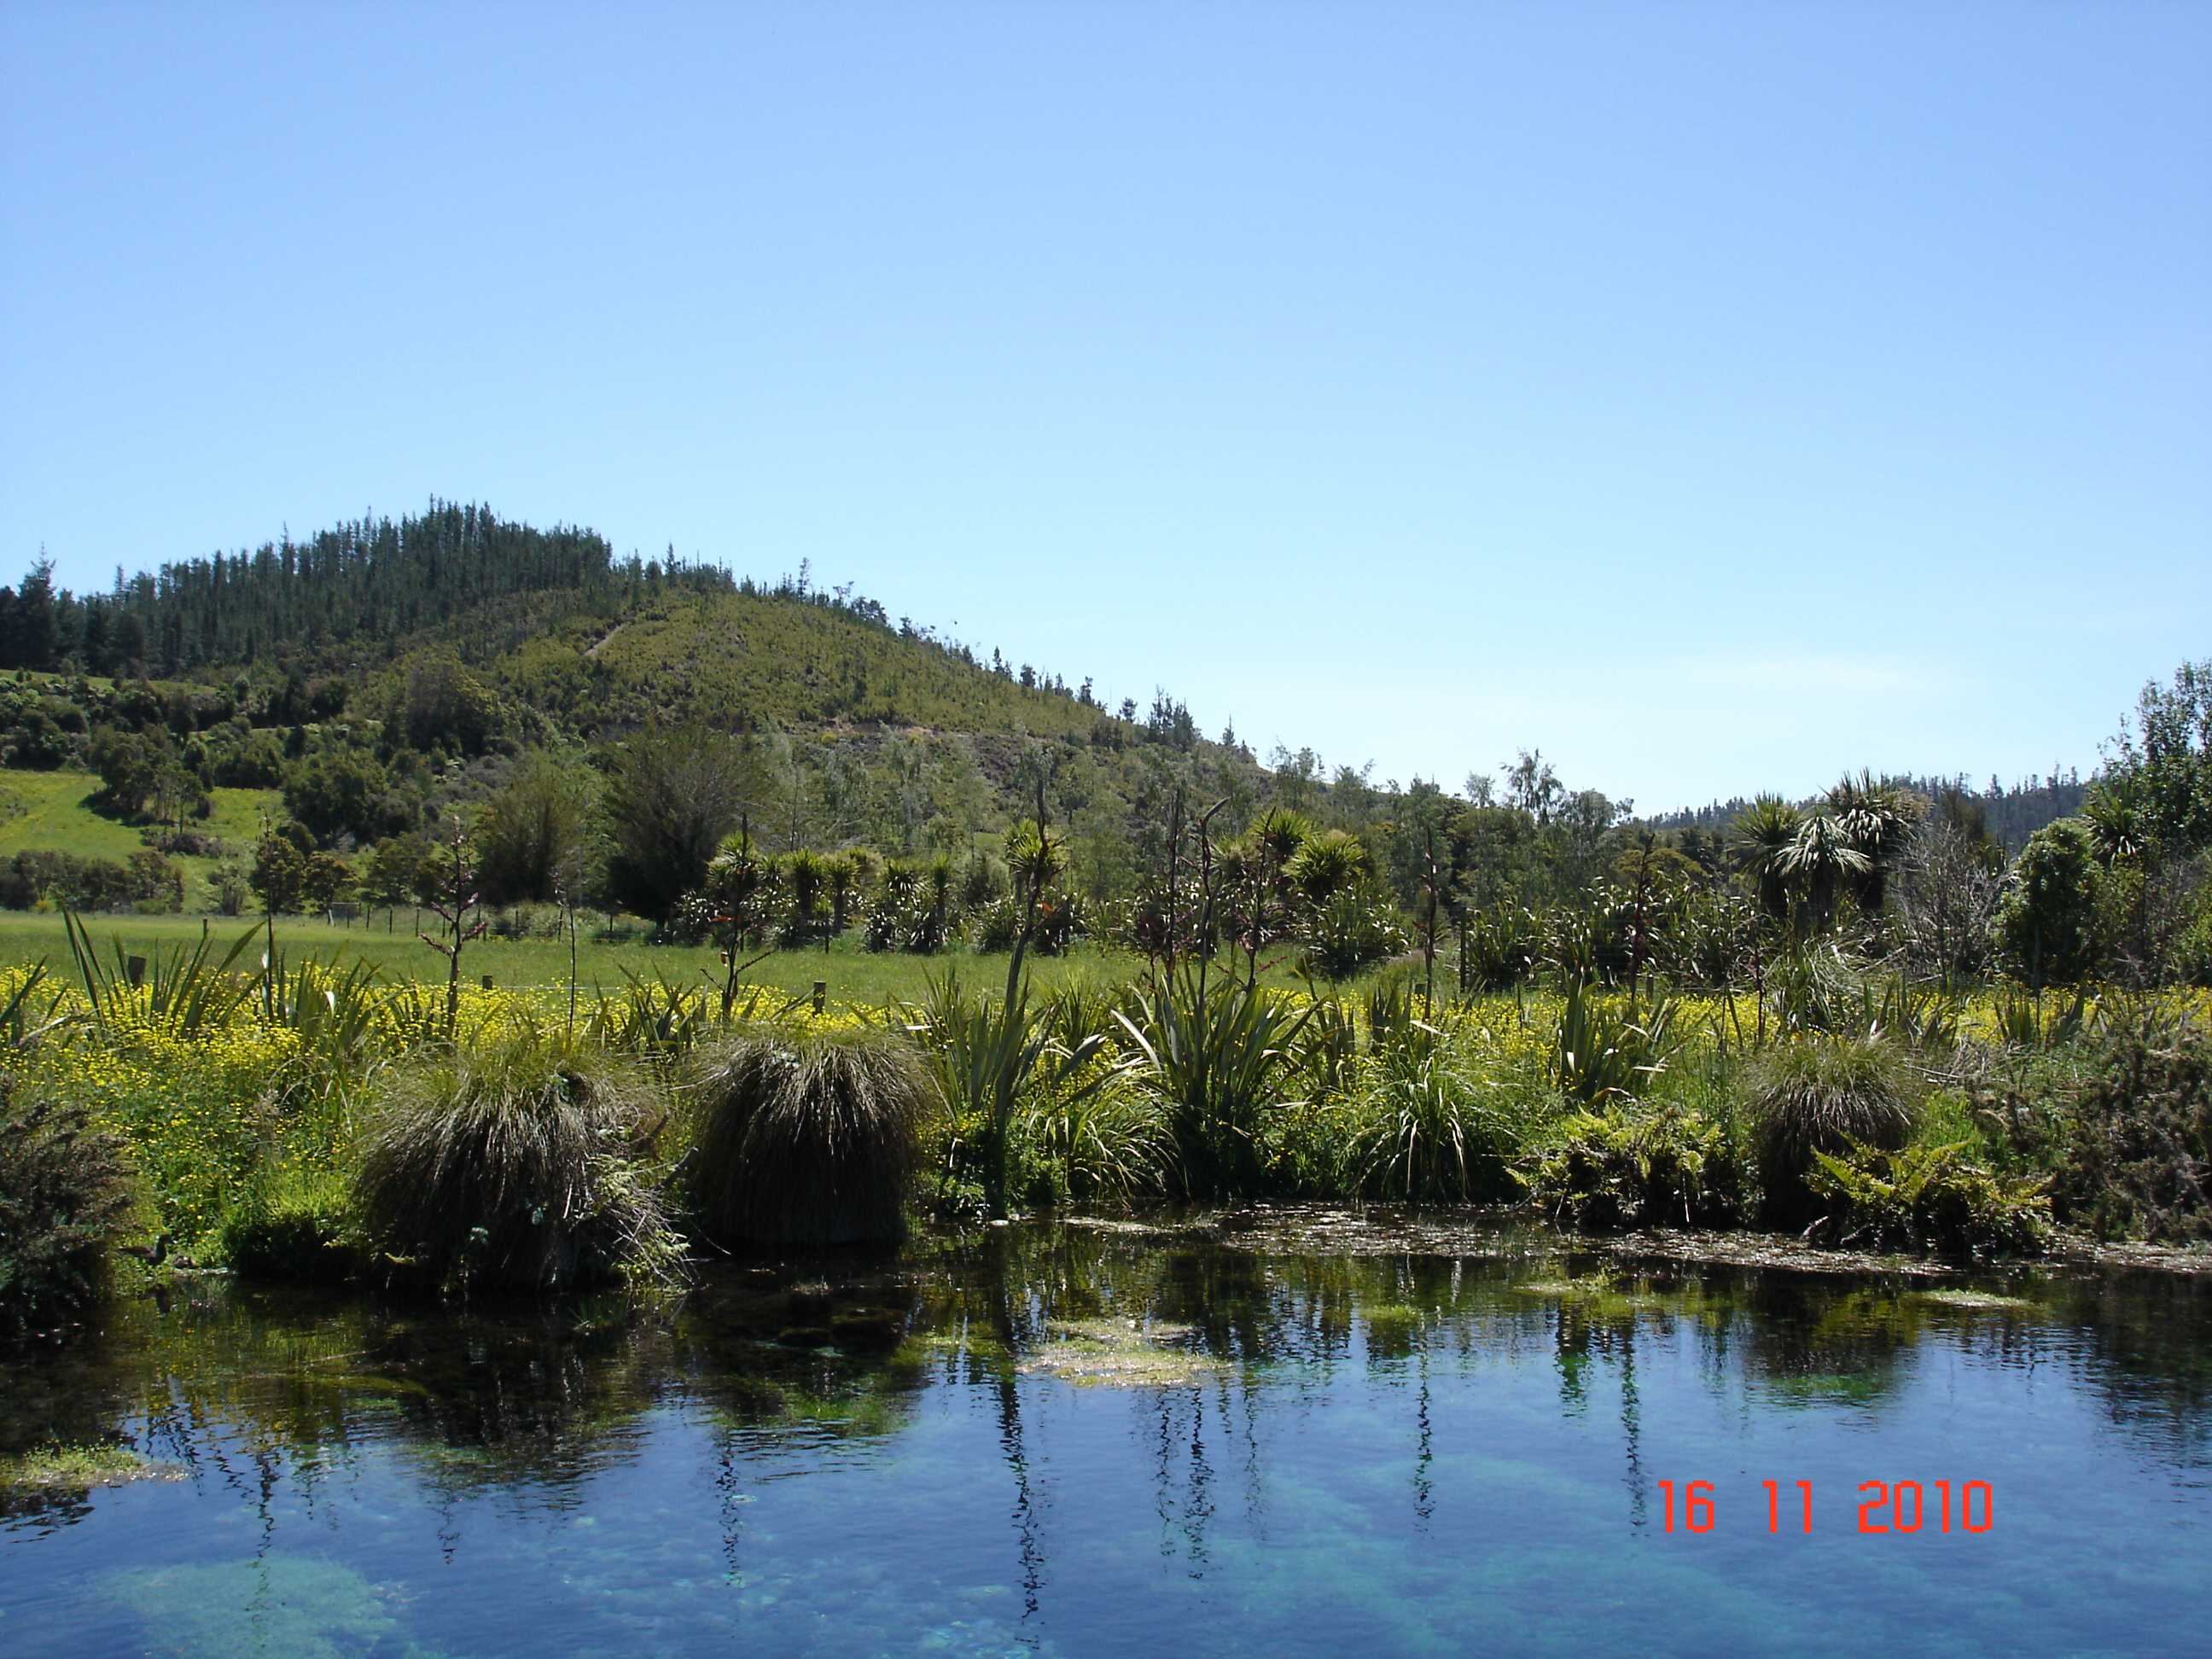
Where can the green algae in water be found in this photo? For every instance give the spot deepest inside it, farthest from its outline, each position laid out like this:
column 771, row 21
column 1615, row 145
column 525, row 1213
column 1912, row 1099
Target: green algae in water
column 1557, row 1289
column 297, row 1606
column 55, row 1468
column 1601, row 1297
column 1977, row 1301
column 1120, row 1353
column 1833, row 1387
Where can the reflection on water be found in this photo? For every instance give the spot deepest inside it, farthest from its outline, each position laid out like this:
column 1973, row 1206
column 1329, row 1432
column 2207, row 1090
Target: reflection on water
column 1069, row 1438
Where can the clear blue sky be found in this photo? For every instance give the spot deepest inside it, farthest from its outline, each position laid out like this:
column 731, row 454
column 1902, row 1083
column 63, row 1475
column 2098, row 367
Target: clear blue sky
column 1715, row 396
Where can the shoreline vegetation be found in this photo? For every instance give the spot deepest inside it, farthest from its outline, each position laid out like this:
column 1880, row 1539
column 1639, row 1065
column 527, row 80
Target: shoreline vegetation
column 681, row 973
column 214, row 1108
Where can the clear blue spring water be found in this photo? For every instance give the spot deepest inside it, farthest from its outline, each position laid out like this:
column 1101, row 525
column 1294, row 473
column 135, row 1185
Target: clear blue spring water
column 970, row 1450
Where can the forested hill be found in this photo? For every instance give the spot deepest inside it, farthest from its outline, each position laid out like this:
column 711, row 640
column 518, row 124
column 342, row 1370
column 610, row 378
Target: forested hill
column 383, row 675
column 551, row 617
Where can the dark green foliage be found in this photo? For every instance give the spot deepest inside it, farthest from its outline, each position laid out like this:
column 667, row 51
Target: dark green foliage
column 1824, row 1095
column 1322, row 866
column 64, row 1195
column 2050, row 923
column 343, row 791
column 1704, row 935
column 69, row 881
column 993, row 1059
column 672, row 796
column 805, row 887
column 2163, row 769
column 2136, row 1159
column 1877, row 819
column 805, row 1138
column 1925, row 1197
column 143, row 773
column 1816, row 989
column 511, row 1162
column 1630, row 1167
column 2028, row 1021
column 395, row 872
column 656, row 1019
column 1760, row 841
column 914, row 910
column 1089, row 1144
column 437, row 703
column 290, row 875
column 529, row 837
column 1500, row 947
column 368, row 580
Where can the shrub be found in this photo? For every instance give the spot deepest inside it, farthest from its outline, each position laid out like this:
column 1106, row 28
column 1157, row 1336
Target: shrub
column 2021, row 1020
column 1019, row 1085
column 1824, row 1095
column 1926, row 1197
column 2049, row 921
column 1626, row 1168
column 1349, row 931
column 510, row 1162
column 89, row 884
column 914, row 913
column 1821, row 989
column 2137, row 1156
column 807, row 1138
column 1498, row 947
column 655, row 1018
column 993, row 926
column 64, row 1194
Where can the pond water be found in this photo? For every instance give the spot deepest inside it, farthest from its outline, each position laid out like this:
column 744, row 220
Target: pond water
column 1065, row 1438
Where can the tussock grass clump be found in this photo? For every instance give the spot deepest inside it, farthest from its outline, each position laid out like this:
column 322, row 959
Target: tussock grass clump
column 810, row 1138
column 64, row 1195
column 512, row 1161
column 1829, row 1096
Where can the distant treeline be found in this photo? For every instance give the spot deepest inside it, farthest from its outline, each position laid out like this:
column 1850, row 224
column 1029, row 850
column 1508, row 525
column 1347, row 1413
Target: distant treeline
column 2010, row 812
